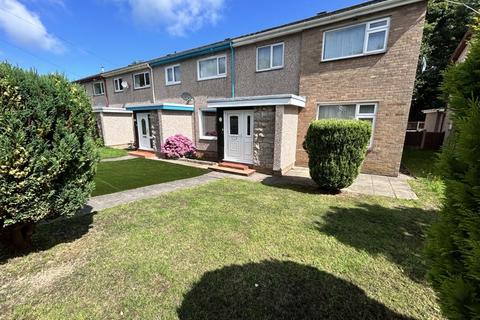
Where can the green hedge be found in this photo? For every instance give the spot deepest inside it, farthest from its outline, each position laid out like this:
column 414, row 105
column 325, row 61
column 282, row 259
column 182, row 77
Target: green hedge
column 336, row 149
column 453, row 246
column 48, row 152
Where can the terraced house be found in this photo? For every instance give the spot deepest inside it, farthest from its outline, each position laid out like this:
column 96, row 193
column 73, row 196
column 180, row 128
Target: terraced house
column 250, row 99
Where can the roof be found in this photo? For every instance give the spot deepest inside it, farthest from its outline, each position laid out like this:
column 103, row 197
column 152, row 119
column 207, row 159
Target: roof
column 94, row 77
column 289, row 28
column 461, row 46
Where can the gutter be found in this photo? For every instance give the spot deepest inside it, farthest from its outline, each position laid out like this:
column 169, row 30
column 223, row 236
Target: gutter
column 325, row 20
column 190, row 54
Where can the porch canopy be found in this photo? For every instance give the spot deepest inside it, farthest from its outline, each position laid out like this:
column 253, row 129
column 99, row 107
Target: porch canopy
column 160, row 106
column 258, row 101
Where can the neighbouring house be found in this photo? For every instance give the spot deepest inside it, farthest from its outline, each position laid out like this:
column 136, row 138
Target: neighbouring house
column 250, row 99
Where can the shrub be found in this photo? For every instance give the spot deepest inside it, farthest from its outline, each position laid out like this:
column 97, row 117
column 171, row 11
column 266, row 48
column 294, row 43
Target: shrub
column 179, row 146
column 336, row 149
column 453, row 244
column 48, row 151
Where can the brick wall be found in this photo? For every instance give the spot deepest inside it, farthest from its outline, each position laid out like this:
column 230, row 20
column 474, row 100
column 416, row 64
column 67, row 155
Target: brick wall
column 387, row 79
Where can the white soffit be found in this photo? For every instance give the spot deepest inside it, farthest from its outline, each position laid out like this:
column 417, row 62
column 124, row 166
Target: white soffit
column 258, row 101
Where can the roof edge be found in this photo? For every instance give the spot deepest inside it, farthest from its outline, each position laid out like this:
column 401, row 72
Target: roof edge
column 335, row 16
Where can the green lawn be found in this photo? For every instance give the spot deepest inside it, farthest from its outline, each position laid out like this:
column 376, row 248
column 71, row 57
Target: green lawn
column 122, row 175
column 108, row 153
column 230, row 249
column 427, row 183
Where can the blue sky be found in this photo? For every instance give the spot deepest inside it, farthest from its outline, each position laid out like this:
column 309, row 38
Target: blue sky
column 77, row 37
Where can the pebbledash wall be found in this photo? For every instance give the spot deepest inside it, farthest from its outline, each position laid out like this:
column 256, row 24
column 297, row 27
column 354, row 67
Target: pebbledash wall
column 386, row 79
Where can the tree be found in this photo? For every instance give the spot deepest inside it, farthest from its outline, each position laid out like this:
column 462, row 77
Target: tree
column 48, row 153
column 453, row 246
column 445, row 25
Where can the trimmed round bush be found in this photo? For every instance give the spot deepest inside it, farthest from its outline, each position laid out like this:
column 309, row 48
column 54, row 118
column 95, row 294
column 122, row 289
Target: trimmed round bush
column 336, row 149
column 179, row 146
column 48, row 152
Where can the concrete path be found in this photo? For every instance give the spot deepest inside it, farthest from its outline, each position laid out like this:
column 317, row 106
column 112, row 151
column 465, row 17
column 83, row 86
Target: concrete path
column 118, row 159
column 111, row 200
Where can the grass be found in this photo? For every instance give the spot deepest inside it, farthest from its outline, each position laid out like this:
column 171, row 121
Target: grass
column 228, row 250
column 122, row 175
column 428, row 184
column 108, row 153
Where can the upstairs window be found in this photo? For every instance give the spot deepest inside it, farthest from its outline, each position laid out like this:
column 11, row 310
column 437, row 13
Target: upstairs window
column 361, row 111
column 211, row 68
column 270, row 57
column 141, row 80
column 117, row 84
column 98, row 89
column 173, row 75
column 354, row 41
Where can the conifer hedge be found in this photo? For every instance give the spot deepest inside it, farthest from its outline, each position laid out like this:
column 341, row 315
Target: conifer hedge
column 336, row 149
column 453, row 246
column 47, row 150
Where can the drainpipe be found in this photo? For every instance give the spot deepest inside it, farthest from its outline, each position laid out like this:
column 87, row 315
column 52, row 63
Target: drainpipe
column 106, row 91
column 232, row 68
column 152, row 84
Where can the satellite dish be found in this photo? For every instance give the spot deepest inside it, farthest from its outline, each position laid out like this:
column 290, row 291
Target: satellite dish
column 124, row 84
column 187, row 97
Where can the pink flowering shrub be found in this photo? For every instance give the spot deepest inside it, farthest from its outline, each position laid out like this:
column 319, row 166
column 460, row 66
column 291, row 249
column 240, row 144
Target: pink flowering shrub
column 179, row 146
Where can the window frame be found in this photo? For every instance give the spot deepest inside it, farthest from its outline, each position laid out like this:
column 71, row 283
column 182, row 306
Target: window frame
column 358, row 115
column 135, row 87
column 219, row 75
column 200, row 124
column 368, row 31
column 102, row 86
column 119, row 84
column 271, row 57
column 175, row 81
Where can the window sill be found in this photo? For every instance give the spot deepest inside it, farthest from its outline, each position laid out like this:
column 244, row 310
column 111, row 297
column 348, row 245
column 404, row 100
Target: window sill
column 208, row 138
column 355, row 56
column 269, row 69
column 212, row 78
column 173, row 83
column 98, row 95
column 141, row 88
column 119, row 91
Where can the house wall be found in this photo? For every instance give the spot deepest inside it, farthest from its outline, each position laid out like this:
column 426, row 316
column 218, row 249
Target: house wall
column 249, row 82
column 96, row 101
column 128, row 95
column 200, row 90
column 286, row 125
column 386, row 78
column 264, row 137
column 176, row 122
column 117, row 129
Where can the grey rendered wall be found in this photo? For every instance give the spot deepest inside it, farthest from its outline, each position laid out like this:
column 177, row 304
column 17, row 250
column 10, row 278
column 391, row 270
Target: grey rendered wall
column 128, row 95
column 96, row 101
column 249, row 82
column 201, row 90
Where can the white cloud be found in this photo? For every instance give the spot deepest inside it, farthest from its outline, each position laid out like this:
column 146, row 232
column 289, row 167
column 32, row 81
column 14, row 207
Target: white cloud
column 178, row 16
column 25, row 27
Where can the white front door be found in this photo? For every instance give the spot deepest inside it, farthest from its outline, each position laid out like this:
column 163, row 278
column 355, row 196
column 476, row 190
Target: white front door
column 238, row 129
column 144, row 135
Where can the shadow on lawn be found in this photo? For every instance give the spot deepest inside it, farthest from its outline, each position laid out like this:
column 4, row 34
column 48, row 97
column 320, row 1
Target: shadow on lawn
column 396, row 233
column 300, row 184
column 278, row 290
column 50, row 233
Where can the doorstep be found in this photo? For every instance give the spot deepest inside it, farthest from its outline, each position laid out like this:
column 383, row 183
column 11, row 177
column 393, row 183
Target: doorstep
column 234, row 168
column 143, row 154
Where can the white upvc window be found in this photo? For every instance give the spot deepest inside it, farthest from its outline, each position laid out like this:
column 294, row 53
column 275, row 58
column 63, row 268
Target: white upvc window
column 212, row 68
column 360, row 111
column 117, row 84
column 98, row 88
column 207, row 120
column 270, row 57
column 141, row 80
column 356, row 40
column 173, row 75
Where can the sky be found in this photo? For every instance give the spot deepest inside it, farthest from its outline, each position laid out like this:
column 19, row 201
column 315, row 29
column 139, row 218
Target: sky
column 79, row 37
